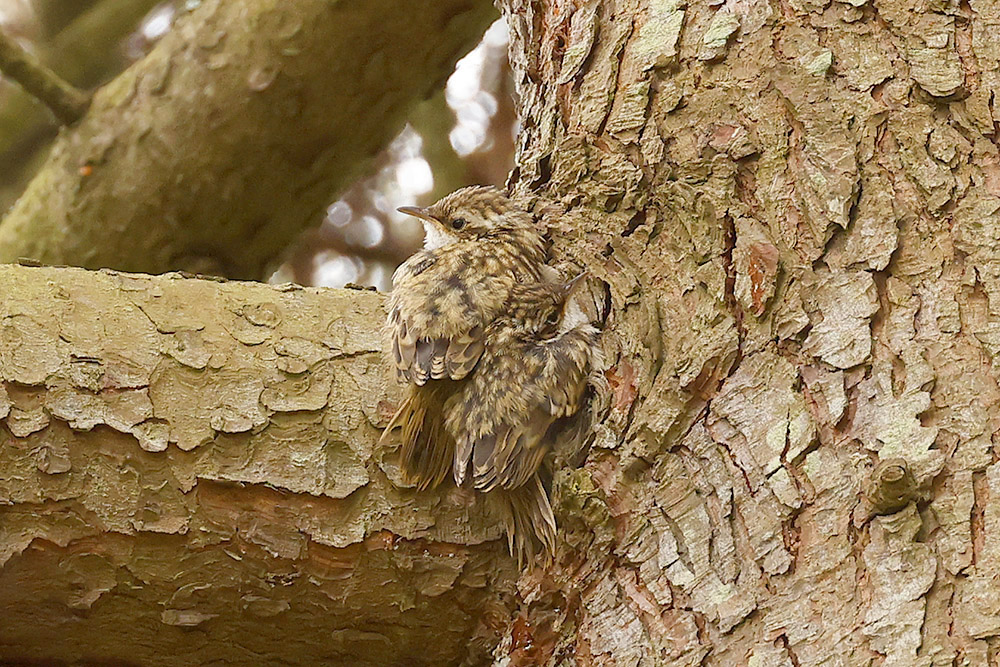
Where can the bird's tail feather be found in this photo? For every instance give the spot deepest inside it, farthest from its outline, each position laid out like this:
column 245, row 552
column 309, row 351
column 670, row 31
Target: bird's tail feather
column 528, row 520
column 427, row 449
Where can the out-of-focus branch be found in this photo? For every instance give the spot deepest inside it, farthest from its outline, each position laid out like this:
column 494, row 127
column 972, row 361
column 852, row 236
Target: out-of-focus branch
column 84, row 52
column 235, row 132
column 433, row 120
column 54, row 15
column 66, row 102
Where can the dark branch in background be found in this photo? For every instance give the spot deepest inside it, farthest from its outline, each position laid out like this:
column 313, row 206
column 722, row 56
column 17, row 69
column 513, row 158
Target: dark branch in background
column 85, row 52
column 55, row 15
column 67, row 103
column 242, row 136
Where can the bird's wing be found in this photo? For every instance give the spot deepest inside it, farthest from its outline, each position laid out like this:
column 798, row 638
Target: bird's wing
column 510, row 403
column 437, row 315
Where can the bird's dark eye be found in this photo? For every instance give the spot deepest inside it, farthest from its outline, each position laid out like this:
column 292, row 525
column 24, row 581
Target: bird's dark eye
column 457, row 223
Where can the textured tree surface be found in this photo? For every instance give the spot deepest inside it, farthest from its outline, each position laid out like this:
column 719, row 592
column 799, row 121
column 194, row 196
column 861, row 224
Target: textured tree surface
column 796, row 206
column 216, row 150
column 188, row 474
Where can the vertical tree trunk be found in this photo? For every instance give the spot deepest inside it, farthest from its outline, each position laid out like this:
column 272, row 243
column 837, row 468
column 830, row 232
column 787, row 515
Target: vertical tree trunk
column 796, row 206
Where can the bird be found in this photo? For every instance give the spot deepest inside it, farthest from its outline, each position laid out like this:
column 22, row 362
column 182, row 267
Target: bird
column 495, row 354
column 532, row 377
column 478, row 245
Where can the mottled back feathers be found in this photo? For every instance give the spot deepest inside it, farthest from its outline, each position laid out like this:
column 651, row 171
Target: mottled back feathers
column 491, row 359
column 444, row 296
column 531, row 374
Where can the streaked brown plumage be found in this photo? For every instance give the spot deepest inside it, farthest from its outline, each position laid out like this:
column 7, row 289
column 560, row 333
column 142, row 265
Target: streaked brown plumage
column 477, row 247
column 427, row 447
column 533, row 372
column 492, row 355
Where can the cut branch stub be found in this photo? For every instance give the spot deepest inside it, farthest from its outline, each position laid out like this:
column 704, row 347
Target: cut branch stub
column 891, row 486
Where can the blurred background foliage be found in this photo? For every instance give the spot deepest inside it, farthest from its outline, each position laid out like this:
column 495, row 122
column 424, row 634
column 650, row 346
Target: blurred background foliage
column 462, row 135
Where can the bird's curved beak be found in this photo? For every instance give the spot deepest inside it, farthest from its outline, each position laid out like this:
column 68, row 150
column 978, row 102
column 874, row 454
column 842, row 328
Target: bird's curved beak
column 567, row 289
column 417, row 212
column 569, row 295
column 572, row 283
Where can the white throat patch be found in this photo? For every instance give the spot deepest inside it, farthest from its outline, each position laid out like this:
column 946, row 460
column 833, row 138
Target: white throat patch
column 573, row 316
column 435, row 237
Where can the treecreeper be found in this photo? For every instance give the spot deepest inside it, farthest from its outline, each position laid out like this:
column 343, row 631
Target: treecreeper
column 496, row 355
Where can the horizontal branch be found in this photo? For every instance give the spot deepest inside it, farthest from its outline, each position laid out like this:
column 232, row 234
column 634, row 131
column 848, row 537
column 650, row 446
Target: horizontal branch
column 181, row 453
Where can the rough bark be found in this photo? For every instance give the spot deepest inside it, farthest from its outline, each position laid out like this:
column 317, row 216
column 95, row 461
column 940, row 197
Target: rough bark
column 188, row 474
column 796, row 208
column 235, row 132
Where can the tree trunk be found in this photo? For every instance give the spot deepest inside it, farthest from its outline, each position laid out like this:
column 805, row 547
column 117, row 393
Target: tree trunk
column 796, row 207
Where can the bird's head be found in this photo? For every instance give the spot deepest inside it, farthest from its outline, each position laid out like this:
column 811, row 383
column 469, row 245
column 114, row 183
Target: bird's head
column 471, row 212
column 543, row 307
